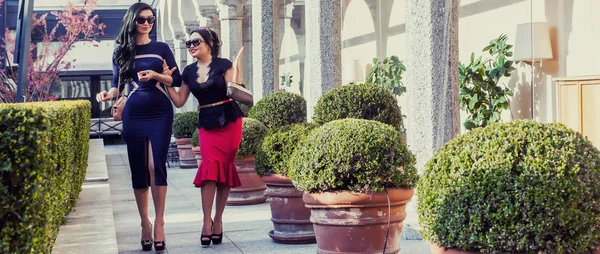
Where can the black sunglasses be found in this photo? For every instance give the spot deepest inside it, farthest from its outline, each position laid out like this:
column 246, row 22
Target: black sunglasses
column 142, row 20
column 193, row 43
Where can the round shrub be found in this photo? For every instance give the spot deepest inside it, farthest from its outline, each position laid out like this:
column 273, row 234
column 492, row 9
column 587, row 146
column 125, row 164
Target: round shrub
column 277, row 147
column 355, row 155
column 360, row 101
column 279, row 109
column 185, row 124
column 195, row 141
column 513, row 187
column 253, row 132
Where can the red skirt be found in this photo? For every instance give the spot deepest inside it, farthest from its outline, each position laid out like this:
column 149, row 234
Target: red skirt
column 218, row 147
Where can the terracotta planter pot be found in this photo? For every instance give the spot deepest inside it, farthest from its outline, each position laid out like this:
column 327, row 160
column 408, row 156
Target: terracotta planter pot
column 196, row 151
column 252, row 190
column 187, row 159
column 351, row 222
column 291, row 219
column 435, row 249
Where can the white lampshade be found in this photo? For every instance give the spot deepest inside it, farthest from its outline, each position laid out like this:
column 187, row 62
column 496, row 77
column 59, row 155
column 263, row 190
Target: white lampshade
column 355, row 71
column 529, row 50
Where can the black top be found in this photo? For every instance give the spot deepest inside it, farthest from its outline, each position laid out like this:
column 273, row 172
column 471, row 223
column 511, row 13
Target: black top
column 211, row 91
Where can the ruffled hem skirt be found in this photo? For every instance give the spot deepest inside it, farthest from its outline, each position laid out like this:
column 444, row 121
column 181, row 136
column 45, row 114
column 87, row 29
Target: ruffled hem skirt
column 218, row 147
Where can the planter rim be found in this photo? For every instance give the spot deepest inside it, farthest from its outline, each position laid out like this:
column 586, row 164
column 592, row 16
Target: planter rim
column 343, row 199
column 195, row 148
column 277, row 180
column 245, row 159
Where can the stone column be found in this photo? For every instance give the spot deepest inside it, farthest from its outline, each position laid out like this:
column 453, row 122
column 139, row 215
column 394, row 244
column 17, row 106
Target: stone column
column 433, row 115
column 210, row 18
column 231, row 13
column 247, row 35
column 323, row 48
column 264, row 47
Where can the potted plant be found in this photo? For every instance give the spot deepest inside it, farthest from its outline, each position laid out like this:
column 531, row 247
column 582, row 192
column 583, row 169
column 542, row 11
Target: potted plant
column 252, row 190
column 184, row 126
column 361, row 101
column 196, row 147
column 279, row 109
column 357, row 176
column 518, row 187
column 482, row 96
column 291, row 219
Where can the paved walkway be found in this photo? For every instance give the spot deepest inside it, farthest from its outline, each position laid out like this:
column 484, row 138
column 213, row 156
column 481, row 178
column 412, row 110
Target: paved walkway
column 245, row 227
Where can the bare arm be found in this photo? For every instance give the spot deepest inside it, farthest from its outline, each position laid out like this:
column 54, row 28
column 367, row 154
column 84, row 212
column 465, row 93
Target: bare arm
column 180, row 97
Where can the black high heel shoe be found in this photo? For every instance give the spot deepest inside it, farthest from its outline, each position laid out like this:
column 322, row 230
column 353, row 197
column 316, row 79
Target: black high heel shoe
column 146, row 245
column 219, row 238
column 203, row 236
column 160, row 245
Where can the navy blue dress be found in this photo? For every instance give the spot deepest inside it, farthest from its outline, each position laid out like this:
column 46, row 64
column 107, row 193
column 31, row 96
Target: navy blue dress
column 148, row 114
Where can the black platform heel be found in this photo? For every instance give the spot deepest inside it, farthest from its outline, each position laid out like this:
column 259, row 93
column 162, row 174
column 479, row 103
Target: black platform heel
column 146, row 245
column 160, row 245
column 219, row 238
column 202, row 236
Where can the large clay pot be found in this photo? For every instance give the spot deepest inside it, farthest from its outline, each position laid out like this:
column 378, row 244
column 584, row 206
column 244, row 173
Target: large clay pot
column 196, row 151
column 252, row 190
column 352, row 222
column 291, row 219
column 187, row 159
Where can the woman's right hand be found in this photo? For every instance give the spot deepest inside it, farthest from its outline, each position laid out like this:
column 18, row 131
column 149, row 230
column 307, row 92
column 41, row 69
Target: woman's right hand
column 103, row 96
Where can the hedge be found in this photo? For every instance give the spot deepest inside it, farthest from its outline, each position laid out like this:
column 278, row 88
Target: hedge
column 43, row 164
column 518, row 187
column 278, row 146
column 253, row 132
column 279, row 109
column 185, row 124
column 354, row 155
column 360, row 101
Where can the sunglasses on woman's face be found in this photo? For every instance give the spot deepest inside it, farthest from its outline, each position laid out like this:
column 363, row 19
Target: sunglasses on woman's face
column 142, row 20
column 193, row 43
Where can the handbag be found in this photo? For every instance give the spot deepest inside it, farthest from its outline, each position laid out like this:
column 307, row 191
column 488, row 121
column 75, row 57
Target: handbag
column 239, row 93
column 117, row 108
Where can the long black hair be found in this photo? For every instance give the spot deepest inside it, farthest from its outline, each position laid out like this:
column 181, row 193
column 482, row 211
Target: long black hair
column 126, row 40
column 211, row 38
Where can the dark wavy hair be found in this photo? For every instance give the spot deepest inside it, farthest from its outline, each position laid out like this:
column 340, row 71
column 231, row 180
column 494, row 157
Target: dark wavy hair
column 212, row 39
column 126, row 40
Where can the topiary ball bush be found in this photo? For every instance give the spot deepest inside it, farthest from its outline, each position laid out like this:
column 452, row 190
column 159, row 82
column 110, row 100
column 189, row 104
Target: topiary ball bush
column 361, row 101
column 185, row 124
column 253, row 132
column 354, row 155
column 195, row 139
column 513, row 187
column 277, row 147
column 279, row 109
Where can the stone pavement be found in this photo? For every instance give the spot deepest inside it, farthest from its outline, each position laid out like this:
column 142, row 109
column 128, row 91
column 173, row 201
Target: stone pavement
column 245, row 227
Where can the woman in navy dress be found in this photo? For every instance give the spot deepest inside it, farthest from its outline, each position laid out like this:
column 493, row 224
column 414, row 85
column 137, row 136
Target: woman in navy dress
column 219, row 126
column 147, row 115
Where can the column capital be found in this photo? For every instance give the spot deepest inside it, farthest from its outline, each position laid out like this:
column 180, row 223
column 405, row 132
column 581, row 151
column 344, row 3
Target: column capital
column 210, row 15
column 231, row 9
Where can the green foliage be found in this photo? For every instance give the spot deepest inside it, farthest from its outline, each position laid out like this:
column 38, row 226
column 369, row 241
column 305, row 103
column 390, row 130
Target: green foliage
column 360, row 101
column 279, row 109
column 185, row 124
column 253, row 132
column 481, row 95
column 388, row 73
column 513, row 187
column 355, row 155
column 277, row 147
column 195, row 140
column 42, row 167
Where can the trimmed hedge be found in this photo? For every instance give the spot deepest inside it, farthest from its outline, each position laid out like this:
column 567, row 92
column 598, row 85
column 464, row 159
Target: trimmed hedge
column 195, row 140
column 355, row 155
column 253, row 132
column 360, row 101
column 43, row 164
column 513, row 187
column 185, row 124
column 278, row 146
column 279, row 109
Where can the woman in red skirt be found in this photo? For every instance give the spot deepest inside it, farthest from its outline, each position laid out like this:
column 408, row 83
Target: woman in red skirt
column 219, row 125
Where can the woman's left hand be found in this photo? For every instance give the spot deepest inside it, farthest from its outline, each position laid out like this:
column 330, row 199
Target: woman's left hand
column 146, row 75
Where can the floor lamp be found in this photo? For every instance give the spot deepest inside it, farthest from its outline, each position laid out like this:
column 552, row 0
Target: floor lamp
column 532, row 45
